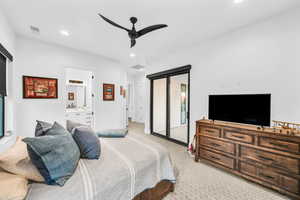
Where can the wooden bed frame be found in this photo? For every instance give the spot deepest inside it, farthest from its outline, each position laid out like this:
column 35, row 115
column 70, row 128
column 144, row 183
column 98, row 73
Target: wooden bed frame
column 161, row 190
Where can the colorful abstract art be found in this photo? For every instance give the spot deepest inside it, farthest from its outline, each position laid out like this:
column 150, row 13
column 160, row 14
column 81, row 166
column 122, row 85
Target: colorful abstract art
column 40, row 88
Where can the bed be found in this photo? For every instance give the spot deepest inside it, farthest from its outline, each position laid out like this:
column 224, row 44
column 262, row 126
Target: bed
column 129, row 168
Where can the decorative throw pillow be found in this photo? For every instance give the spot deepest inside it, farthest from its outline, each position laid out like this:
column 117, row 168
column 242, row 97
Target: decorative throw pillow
column 71, row 125
column 16, row 160
column 55, row 155
column 41, row 128
column 12, row 187
column 113, row 133
column 57, row 129
column 87, row 141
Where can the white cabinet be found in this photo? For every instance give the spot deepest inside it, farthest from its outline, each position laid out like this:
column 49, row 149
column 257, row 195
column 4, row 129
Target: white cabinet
column 86, row 118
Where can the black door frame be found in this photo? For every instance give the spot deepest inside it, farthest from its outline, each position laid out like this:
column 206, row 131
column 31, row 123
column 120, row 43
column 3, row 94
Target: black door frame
column 167, row 74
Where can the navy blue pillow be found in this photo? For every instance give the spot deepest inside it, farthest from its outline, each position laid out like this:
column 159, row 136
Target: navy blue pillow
column 55, row 155
column 87, row 141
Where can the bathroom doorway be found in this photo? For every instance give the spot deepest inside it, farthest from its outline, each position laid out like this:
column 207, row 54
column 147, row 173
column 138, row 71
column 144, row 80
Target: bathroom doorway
column 79, row 96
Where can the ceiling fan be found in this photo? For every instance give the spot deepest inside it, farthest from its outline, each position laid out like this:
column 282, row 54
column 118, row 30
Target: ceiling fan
column 133, row 34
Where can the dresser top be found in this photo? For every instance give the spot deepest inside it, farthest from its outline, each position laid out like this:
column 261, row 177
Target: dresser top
column 271, row 130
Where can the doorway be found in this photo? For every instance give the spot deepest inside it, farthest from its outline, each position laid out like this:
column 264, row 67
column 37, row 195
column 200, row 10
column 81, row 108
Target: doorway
column 79, row 96
column 170, row 104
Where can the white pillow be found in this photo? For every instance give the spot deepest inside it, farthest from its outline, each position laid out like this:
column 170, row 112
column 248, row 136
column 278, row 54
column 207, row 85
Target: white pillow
column 12, row 187
column 16, row 161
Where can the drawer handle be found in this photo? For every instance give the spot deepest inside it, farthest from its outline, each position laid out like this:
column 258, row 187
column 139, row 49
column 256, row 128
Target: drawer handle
column 238, row 136
column 209, row 131
column 214, row 144
column 214, row 158
column 279, row 145
column 264, row 158
column 266, row 176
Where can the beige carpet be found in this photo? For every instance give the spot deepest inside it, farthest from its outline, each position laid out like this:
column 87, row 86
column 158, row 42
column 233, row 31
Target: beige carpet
column 197, row 181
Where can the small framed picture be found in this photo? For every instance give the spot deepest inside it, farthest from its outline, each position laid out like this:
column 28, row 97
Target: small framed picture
column 108, row 92
column 71, row 96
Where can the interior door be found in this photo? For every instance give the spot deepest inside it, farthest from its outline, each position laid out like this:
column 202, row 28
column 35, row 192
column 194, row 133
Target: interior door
column 160, row 106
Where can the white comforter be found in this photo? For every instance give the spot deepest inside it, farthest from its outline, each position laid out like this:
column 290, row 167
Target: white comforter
column 127, row 167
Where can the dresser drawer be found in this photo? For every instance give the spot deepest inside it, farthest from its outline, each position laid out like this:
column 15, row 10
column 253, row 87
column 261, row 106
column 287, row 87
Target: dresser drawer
column 290, row 184
column 239, row 137
column 213, row 132
column 270, row 159
column 272, row 177
column 217, row 158
column 218, row 145
column 279, row 144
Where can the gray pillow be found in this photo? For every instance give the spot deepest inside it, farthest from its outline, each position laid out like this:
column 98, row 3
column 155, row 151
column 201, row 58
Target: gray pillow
column 55, row 155
column 71, row 125
column 87, row 141
column 112, row 133
column 57, row 129
column 41, row 128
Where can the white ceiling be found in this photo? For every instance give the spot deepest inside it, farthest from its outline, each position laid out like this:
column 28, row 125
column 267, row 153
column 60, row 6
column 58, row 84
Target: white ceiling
column 190, row 22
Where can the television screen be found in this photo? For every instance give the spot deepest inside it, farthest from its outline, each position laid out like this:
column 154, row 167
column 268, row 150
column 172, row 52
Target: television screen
column 248, row 109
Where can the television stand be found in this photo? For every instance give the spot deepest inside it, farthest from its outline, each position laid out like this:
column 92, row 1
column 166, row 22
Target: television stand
column 258, row 154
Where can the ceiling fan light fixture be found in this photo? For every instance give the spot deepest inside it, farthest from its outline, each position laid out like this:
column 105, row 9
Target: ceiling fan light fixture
column 132, row 55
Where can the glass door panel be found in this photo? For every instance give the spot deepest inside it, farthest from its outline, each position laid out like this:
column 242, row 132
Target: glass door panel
column 159, row 106
column 179, row 107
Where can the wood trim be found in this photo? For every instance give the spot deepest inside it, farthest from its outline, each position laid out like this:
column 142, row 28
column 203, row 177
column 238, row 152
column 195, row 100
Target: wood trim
column 6, row 53
column 161, row 190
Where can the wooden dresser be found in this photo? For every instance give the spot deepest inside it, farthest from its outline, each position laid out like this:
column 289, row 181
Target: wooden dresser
column 259, row 155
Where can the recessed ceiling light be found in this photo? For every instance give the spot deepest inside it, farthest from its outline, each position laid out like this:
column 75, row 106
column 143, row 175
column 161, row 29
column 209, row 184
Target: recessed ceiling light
column 238, row 1
column 132, row 55
column 64, row 32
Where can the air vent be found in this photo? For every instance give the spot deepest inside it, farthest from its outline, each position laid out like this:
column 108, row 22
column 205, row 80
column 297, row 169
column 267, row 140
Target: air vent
column 138, row 67
column 35, row 29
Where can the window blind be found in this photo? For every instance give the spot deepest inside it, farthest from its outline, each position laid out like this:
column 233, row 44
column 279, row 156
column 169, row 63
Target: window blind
column 2, row 75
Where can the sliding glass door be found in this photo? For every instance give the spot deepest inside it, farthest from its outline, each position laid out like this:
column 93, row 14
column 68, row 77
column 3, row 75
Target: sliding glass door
column 169, row 116
column 179, row 107
column 159, row 106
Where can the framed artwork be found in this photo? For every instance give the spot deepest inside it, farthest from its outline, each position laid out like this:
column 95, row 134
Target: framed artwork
column 108, row 92
column 40, row 88
column 124, row 93
column 71, row 96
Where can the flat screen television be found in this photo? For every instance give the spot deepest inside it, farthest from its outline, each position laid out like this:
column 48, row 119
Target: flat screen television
column 248, row 109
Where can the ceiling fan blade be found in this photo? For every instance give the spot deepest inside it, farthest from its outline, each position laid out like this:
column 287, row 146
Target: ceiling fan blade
column 150, row 29
column 133, row 42
column 113, row 23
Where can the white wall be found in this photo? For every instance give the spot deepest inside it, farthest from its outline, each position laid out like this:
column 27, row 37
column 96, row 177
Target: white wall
column 139, row 97
column 7, row 39
column 261, row 58
column 36, row 58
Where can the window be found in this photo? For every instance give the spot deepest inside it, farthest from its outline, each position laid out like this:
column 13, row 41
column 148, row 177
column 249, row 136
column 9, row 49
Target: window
column 2, row 115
